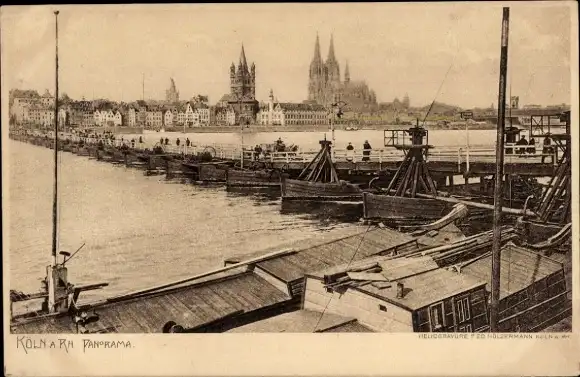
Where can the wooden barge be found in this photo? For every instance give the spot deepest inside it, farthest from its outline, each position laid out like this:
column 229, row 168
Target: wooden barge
column 293, row 189
column 319, row 181
column 253, row 178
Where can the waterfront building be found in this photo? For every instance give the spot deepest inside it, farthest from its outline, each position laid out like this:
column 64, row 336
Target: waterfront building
column 154, row 117
column 81, row 113
column 181, row 117
column 98, row 116
column 168, row 118
column 63, row 118
column 141, row 116
column 325, row 85
column 171, row 94
column 220, row 115
column 20, row 103
column 47, row 100
column 231, row 116
column 204, row 114
column 291, row 114
column 190, row 115
column 117, row 118
column 47, row 116
column 131, row 116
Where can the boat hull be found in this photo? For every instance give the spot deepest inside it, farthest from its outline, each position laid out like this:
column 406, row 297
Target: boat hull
column 252, row 178
column 293, row 189
column 211, row 173
column 396, row 207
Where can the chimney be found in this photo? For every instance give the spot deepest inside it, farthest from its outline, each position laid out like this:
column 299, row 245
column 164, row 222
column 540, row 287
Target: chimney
column 400, row 290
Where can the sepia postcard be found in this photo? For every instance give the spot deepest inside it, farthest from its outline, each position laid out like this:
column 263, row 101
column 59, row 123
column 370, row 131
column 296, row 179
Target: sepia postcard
column 291, row 189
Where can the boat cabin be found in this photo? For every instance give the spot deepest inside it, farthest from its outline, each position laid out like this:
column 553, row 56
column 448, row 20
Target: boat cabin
column 400, row 295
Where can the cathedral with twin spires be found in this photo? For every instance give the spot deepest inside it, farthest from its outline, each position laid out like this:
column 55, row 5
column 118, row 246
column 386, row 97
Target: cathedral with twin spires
column 325, row 85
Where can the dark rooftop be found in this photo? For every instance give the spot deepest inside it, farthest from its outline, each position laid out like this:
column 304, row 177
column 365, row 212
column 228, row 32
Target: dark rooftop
column 325, row 251
column 423, row 281
column 520, row 268
column 189, row 306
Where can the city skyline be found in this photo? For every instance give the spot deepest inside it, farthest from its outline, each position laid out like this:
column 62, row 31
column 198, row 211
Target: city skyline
column 460, row 42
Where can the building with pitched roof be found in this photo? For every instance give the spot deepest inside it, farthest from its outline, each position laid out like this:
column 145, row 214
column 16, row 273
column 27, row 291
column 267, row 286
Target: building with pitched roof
column 276, row 113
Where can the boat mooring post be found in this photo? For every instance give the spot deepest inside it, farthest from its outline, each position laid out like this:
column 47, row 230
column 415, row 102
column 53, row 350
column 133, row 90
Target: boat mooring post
column 498, row 190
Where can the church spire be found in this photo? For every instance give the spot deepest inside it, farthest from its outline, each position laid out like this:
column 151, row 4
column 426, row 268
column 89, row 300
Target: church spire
column 331, row 57
column 243, row 62
column 317, row 56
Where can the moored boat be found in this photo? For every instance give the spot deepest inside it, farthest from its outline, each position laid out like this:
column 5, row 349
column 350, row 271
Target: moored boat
column 378, row 206
column 304, row 190
column 319, row 181
column 252, row 178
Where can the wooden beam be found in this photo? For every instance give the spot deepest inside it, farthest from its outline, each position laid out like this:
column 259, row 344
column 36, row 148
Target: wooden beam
column 418, row 171
column 512, row 211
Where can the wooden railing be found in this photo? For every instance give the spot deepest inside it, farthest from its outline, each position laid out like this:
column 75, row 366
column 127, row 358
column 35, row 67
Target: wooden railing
column 459, row 154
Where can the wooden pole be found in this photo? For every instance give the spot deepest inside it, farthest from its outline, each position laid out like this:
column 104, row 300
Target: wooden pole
column 498, row 190
column 55, row 190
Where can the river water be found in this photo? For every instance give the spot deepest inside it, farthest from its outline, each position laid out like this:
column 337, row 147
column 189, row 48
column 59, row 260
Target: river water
column 139, row 231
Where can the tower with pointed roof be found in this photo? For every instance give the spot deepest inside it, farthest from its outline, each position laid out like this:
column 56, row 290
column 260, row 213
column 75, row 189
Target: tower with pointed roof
column 243, row 78
column 171, row 94
column 324, row 78
column 242, row 97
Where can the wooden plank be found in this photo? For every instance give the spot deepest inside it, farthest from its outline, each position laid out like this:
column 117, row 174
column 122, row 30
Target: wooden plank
column 366, row 276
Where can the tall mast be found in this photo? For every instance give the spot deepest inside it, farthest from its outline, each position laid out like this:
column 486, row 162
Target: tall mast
column 143, row 88
column 498, row 190
column 55, row 192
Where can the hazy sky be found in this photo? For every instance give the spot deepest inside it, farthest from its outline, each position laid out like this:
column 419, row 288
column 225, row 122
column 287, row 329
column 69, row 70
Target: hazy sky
column 397, row 48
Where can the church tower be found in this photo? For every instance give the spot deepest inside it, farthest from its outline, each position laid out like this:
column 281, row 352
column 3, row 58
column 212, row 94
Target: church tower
column 346, row 74
column 316, row 76
column 172, row 95
column 243, row 79
column 332, row 68
column 243, row 90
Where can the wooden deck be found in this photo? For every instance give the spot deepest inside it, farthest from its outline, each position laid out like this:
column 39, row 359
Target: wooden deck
column 193, row 307
column 304, row 321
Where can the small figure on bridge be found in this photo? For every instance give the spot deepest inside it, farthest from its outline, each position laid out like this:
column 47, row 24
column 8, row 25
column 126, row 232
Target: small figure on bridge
column 257, row 152
column 547, row 148
column 166, row 141
column 280, row 146
column 177, row 142
column 161, row 141
column 366, row 151
column 522, row 141
column 349, row 152
column 187, row 142
column 532, row 146
column 140, row 140
column 133, row 143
